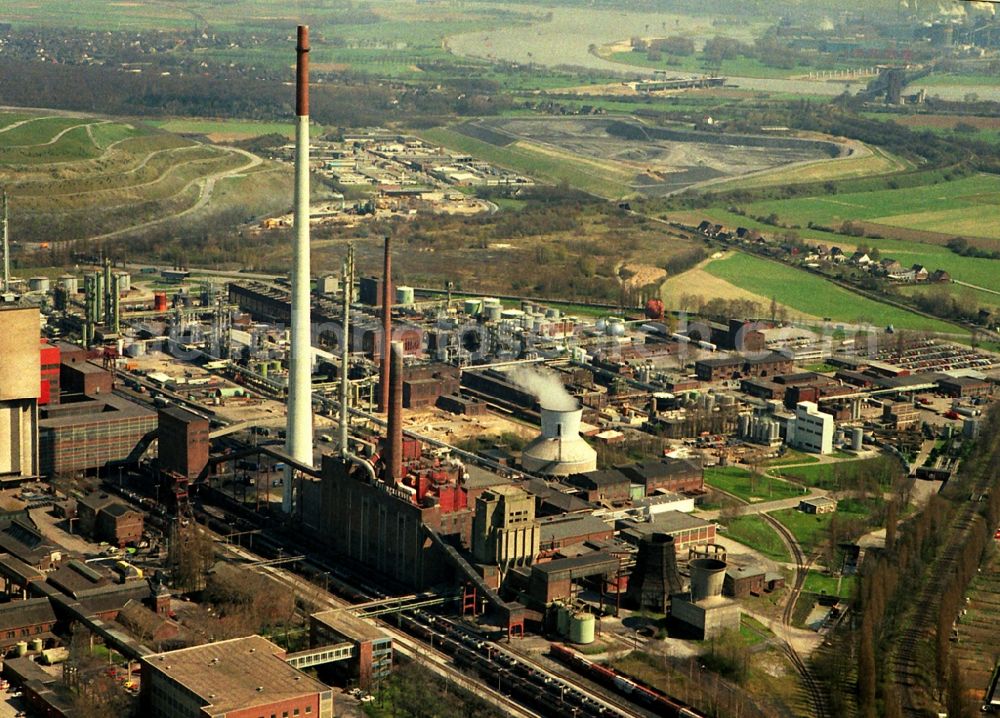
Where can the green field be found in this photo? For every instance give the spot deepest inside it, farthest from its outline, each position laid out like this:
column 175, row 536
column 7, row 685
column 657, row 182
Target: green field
column 822, row 584
column 815, row 296
column 580, row 173
column 737, row 481
column 231, row 129
column 966, row 206
column 981, row 272
column 825, row 476
column 811, row 530
column 756, row 533
column 791, row 456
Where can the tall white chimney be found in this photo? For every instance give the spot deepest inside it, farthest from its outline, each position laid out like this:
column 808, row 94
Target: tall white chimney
column 299, row 442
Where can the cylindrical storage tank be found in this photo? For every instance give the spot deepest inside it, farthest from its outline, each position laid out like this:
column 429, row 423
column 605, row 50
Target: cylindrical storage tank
column 615, row 326
column 404, row 296
column 857, row 438
column 744, row 422
column 581, row 628
column 70, row 283
column 562, row 620
column 160, row 301
column 124, row 281
column 36, row 645
column 38, row 284
column 472, row 306
column 493, row 313
column 491, row 302
column 707, row 575
column 552, row 313
column 22, row 648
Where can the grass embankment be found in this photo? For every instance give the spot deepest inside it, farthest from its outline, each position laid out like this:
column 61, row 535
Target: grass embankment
column 755, row 532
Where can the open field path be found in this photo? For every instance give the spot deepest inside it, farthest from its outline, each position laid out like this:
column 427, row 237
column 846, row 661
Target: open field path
column 14, row 125
column 207, row 185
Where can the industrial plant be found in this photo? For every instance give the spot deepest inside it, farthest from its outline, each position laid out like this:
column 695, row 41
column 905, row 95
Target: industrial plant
column 262, row 493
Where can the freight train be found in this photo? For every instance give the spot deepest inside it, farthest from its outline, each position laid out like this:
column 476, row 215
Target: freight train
column 655, row 700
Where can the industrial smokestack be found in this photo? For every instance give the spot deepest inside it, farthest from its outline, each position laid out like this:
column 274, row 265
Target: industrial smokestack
column 394, row 438
column 300, row 431
column 386, row 323
column 6, row 246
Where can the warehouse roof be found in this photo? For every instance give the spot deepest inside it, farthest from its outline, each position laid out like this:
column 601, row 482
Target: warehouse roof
column 236, row 674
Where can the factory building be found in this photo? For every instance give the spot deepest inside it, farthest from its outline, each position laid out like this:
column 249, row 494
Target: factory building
column 504, row 530
column 86, row 378
column 811, row 429
column 104, row 518
column 183, row 441
column 89, row 434
column 667, row 475
column 20, row 390
column 603, row 486
column 239, row 678
column 735, row 367
column 687, row 531
column 50, row 368
column 372, row 648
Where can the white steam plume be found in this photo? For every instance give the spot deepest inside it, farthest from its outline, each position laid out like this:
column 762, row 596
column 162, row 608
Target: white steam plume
column 547, row 388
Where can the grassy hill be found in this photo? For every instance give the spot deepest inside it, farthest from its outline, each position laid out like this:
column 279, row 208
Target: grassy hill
column 75, row 177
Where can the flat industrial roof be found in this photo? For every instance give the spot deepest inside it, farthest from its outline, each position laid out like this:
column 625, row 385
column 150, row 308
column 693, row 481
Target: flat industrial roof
column 352, row 627
column 237, row 674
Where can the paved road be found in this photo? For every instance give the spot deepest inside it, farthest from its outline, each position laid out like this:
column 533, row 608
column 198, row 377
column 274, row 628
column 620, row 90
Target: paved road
column 764, row 506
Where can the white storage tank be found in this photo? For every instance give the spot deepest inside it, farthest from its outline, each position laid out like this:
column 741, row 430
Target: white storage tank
column 404, row 296
column 38, row 284
column 70, row 284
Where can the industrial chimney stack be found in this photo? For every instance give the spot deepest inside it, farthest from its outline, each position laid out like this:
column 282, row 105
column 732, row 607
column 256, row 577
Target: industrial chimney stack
column 300, row 431
column 386, row 325
column 394, row 431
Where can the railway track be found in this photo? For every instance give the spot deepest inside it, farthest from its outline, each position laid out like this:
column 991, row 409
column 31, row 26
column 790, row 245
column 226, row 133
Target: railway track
column 908, row 670
column 528, row 687
column 814, row 690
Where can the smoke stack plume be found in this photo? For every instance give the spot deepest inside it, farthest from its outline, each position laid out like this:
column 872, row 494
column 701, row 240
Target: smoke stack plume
column 386, row 324
column 546, row 387
column 394, row 438
column 300, row 431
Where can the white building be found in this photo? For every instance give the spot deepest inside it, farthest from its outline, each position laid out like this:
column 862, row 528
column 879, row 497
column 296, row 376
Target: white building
column 811, row 429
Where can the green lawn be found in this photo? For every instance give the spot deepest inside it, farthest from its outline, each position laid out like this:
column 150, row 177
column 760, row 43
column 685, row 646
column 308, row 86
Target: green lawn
column 822, row 584
column 834, row 476
column 964, row 206
column 811, row 530
column 814, row 295
column 791, row 456
column 738, row 482
column 755, row 532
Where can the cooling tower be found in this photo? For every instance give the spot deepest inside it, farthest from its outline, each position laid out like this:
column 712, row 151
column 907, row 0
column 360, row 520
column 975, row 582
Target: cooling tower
column 707, row 576
column 560, row 450
column 655, row 578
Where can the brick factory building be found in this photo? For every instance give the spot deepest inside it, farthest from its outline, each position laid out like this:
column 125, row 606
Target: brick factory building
column 104, row 518
column 239, row 678
column 670, row 475
column 89, row 434
column 961, row 387
column 183, row 441
column 86, row 378
column 735, row 367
